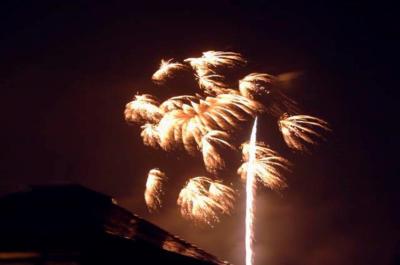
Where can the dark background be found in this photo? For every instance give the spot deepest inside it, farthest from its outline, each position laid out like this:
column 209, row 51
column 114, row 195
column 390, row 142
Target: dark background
column 69, row 67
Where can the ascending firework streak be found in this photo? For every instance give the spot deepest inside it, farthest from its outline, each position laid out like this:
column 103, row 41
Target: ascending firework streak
column 206, row 123
column 250, row 190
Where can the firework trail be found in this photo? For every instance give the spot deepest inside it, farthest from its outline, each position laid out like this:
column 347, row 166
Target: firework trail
column 267, row 165
column 250, row 190
column 154, row 191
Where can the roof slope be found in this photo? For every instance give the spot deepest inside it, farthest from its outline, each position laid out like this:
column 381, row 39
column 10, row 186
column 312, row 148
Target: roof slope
column 74, row 221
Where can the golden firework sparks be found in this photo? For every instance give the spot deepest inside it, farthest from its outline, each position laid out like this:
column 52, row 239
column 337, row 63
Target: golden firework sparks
column 211, row 157
column 298, row 130
column 223, row 194
column 199, row 204
column 215, row 59
column 152, row 195
column 220, row 58
column 254, row 84
column 206, row 122
column 198, row 64
column 189, row 124
column 210, row 83
column 149, row 135
column 144, row 108
column 267, row 166
column 166, row 69
column 176, row 102
column 208, row 80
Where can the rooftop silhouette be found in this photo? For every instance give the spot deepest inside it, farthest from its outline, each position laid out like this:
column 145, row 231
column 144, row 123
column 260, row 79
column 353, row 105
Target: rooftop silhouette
column 74, row 225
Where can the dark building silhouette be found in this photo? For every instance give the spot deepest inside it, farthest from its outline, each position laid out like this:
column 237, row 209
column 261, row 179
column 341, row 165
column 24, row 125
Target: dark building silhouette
column 75, row 225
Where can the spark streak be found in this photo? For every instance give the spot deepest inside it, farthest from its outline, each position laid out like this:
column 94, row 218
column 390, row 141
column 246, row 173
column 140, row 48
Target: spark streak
column 250, row 192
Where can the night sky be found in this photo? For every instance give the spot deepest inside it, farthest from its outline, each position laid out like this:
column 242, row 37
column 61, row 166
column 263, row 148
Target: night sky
column 69, row 67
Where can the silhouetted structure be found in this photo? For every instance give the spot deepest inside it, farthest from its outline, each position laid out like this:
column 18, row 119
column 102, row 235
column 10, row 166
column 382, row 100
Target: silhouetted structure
column 74, row 225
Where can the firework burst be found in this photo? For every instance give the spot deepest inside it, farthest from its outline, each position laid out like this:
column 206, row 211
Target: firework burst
column 211, row 157
column 211, row 83
column 219, row 58
column 144, row 108
column 167, row 68
column 149, row 135
column 188, row 124
column 203, row 199
column 299, row 130
column 154, row 191
column 175, row 103
column 267, row 165
column 254, row 84
column 207, row 123
column 215, row 59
